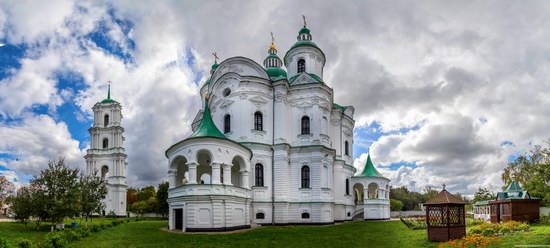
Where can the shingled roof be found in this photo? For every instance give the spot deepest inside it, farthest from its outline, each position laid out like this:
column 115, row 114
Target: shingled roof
column 444, row 197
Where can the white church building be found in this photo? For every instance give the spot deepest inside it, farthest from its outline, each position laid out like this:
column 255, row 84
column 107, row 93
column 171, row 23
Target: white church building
column 270, row 147
column 106, row 155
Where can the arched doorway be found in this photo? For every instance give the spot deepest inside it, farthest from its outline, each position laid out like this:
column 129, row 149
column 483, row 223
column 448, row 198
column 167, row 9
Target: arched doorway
column 358, row 192
column 237, row 170
column 373, row 190
column 204, row 170
column 182, row 171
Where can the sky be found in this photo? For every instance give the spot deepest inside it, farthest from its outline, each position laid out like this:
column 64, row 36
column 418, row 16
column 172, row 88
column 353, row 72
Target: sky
column 444, row 91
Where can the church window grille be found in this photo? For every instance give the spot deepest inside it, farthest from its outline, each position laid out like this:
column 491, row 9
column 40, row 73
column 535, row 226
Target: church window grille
column 258, row 121
column 259, row 178
column 301, row 65
column 305, row 125
column 260, row 216
column 305, row 176
column 346, row 147
column 227, row 124
column 105, row 143
column 305, row 215
column 106, row 120
column 226, row 92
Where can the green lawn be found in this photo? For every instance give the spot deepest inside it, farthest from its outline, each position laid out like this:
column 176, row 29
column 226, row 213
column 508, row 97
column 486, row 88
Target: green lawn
column 148, row 233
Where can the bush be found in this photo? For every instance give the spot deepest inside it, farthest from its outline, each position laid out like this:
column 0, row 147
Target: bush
column 24, row 243
column 95, row 228
column 102, row 226
column 4, row 243
column 523, row 227
column 475, row 222
column 83, row 231
column 114, row 223
column 72, row 235
column 475, row 230
column 488, row 231
column 505, row 230
column 55, row 240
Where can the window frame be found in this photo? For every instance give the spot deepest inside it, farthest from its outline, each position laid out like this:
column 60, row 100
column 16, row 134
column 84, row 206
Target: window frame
column 305, row 177
column 227, row 123
column 258, row 121
column 301, row 66
column 305, row 125
column 259, row 175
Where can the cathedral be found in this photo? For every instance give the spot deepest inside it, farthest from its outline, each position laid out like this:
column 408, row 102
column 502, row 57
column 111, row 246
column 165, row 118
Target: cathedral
column 106, row 156
column 269, row 147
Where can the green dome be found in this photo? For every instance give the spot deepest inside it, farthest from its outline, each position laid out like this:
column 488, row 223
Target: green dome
column 207, row 128
column 369, row 170
column 214, row 66
column 275, row 72
column 304, row 43
column 304, row 30
column 107, row 100
column 207, row 81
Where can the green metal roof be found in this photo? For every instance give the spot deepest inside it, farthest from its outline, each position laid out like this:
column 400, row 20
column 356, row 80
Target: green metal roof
column 207, row 81
column 514, row 187
column 272, row 56
column 214, row 66
column 369, row 170
column 207, row 128
column 301, row 43
column 304, row 30
column 108, row 99
column 275, row 72
column 338, row 106
column 481, row 203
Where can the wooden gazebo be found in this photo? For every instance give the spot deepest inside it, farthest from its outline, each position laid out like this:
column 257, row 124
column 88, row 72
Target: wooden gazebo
column 445, row 217
column 515, row 204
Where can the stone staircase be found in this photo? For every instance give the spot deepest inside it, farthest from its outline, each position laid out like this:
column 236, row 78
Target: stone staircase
column 359, row 214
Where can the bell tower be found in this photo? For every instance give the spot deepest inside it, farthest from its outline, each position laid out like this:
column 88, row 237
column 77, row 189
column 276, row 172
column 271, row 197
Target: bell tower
column 106, row 155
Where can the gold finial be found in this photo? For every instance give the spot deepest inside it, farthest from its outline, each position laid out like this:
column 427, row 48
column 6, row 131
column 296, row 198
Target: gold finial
column 304, row 17
column 206, row 95
column 215, row 57
column 272, row 42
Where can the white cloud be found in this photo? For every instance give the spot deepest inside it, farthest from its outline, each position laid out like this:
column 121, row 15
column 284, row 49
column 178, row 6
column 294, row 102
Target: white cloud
column 35, row 141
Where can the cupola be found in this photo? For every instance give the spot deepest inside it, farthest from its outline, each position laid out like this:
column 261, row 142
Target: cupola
column 273, row 63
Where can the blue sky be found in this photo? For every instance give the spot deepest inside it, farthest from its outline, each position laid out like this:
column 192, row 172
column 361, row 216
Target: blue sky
column 443, row 93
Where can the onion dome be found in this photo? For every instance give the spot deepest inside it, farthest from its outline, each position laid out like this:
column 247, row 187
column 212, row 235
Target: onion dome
column 213, row 68
column 207, row 128
column 108, row 99
column 273, row 63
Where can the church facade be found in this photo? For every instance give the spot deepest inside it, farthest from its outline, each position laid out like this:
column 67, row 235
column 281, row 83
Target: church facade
column 271, row 147
column 106, row 157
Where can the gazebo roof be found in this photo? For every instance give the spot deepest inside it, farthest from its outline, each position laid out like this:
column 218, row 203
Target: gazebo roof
column 444, row 197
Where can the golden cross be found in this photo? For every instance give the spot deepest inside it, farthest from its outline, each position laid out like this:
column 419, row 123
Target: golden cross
column 272, row 38
column 215, row 57
column 305, row 24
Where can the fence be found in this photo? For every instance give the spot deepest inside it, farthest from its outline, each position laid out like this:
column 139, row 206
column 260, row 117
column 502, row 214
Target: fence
column 397, row 214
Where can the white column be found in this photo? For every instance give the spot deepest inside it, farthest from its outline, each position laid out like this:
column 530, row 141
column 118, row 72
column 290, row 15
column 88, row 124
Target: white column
column 227, row 174
column 216, row 176
column 172, row 178
column 244, row 180
column 192, row 172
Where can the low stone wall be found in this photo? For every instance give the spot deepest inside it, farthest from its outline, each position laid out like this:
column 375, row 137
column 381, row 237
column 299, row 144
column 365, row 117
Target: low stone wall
column 397, row 214
column 146, row 215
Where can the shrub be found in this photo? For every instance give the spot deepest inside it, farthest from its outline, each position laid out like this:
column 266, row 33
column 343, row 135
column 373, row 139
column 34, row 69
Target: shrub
column 72, row 235
column 55, row 240
column 505, row 230
column 475, row 230
column 95, row 228
column 476, row 240
column 24, row 243
column 488, row 231
column 475, row 222
column 102, row 226
column 523, row 227
column 4, row 243
column 83, row 231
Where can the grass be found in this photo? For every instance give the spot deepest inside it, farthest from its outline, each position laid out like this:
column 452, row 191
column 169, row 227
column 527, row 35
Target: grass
column 148, row 233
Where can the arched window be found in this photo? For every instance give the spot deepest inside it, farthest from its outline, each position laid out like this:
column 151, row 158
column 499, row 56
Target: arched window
column 305, row 125
column 305, row 176
column 346, row 147
column 324, row 124
column 301, row 65
column 106, row 120
column 259, row 170
column 227, row 124
column 104, row 172
column 305, row 215
column 105, row 143
column 326, row 179
column 258, row 121
column 260, row 216
column 347, row 186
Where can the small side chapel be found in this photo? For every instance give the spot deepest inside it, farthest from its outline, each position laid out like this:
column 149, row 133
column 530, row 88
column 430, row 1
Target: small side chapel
column 271, row 147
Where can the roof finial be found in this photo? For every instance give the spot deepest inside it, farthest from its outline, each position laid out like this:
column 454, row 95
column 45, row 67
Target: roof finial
column 304, row 17
column 215, row 57
column 272, row 47
column 109, row 90
column 444, row 186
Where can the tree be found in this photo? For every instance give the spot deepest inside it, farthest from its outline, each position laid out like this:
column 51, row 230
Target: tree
column 93, row 190
column 59, row 189
column 396, row 205
column 131, row 197
column 21, row 204
column 147, row 192
column 483, row 194
column 162, row 199
column 532, row 172
column 6, row 189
